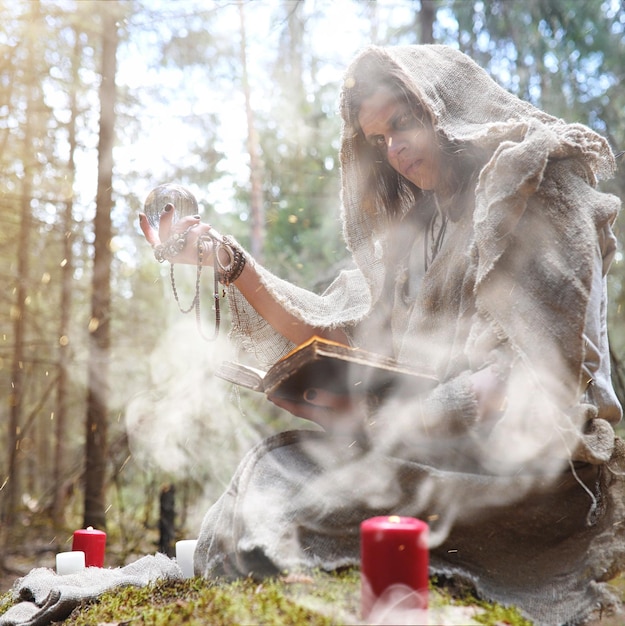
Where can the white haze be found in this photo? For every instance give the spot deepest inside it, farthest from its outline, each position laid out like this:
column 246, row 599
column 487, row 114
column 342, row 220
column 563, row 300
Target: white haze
column 189, row 424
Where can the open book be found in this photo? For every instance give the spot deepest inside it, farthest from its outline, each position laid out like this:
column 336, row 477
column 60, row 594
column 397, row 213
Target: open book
column 335, row 367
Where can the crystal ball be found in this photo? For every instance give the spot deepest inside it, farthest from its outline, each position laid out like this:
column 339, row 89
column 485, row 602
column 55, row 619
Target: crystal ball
column 170, row 193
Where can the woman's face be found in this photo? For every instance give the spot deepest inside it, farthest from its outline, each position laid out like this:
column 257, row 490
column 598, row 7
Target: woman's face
column 409, row 146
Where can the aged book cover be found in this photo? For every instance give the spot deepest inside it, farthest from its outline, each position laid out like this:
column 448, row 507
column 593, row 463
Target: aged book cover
column 322, row 364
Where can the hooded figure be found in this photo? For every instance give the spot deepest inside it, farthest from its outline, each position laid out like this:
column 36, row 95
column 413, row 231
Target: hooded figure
column 499, row 266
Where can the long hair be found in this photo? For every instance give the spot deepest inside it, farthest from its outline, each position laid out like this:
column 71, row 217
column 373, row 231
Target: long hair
column 386, row 191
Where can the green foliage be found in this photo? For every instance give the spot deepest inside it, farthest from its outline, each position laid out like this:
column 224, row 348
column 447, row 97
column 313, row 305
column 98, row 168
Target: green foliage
column 298, row 135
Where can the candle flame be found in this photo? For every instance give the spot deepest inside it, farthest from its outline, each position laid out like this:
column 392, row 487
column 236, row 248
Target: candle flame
column 395, row 519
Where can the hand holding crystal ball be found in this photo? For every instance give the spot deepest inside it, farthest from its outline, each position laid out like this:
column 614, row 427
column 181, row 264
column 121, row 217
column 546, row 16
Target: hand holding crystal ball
column 180, row 197
column 172, row 226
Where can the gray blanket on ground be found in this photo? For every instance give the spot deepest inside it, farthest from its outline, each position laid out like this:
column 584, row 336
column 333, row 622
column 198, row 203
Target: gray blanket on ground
column 47, row 597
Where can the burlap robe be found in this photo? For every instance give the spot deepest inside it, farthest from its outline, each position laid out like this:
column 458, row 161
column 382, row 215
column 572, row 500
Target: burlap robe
column 528, row 509
column 298, row 499
column 537, row 539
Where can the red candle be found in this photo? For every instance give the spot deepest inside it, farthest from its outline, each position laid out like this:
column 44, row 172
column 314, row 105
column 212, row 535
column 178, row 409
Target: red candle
column 92, row 542
column 394, row 567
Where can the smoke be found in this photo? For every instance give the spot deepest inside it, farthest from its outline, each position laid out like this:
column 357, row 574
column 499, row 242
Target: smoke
column 185, row 424
column 452, row 465
column 423, row 453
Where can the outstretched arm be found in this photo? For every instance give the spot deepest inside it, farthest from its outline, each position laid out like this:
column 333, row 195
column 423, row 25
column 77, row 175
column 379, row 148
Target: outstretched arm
column 248, row 282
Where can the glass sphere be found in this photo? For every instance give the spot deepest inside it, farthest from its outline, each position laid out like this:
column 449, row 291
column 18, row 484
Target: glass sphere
column 170, row 193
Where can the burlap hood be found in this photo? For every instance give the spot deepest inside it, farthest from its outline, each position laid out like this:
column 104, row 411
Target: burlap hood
column 521, row 269
column 468, row 106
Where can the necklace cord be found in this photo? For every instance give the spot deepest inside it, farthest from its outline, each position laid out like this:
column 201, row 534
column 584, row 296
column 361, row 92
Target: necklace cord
column 223, row 272
column 196, row 302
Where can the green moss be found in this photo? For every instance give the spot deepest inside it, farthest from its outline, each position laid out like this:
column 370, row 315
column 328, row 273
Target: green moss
column 318, row 600
column 488, row 613
column 6, row 601
column 199, row 602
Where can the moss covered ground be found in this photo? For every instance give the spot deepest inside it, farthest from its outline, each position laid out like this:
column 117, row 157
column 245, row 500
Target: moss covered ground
column 319, row 599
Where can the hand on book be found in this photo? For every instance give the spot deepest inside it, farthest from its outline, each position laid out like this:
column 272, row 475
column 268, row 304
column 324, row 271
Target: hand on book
column 333, row 412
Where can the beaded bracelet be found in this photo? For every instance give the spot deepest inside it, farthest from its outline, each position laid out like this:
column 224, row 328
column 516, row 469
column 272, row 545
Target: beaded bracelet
column 228, row 272
column 172, row 247
column 224, row 273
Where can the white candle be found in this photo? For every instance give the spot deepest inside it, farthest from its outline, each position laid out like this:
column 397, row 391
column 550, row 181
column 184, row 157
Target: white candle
column 184, row 556
column 70, row 562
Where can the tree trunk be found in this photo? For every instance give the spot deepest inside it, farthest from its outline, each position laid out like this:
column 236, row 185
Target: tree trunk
column 167, row 520
column 256, row 176
column 12, row 489
column 427, row 16
column 99, row 325
column 67, row 272
column 373, row 15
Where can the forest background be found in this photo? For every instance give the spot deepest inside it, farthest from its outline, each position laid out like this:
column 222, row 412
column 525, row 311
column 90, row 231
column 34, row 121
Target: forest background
column 107, row 399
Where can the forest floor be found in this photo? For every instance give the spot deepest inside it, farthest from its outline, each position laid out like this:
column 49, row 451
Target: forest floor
column 29, row 547
column 322, row 599
column 34, row 542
